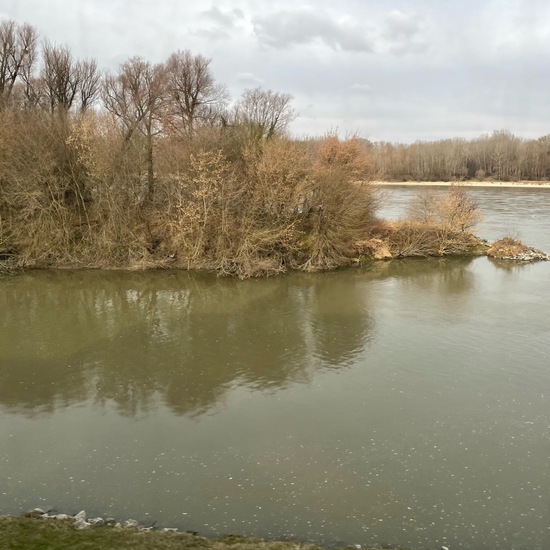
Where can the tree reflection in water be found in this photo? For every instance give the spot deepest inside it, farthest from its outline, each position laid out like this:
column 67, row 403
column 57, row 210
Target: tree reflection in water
column 184, row 339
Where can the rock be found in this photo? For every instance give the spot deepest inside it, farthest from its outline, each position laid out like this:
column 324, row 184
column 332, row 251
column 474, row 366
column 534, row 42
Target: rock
column 35, row 513
column 169, row 530
column 61, row 516
column 96, row 521
column 110, row 521
column 80, row 515
column 81, row 523
column 131, row 524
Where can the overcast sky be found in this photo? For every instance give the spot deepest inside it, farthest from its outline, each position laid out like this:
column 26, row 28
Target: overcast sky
column 395, row 70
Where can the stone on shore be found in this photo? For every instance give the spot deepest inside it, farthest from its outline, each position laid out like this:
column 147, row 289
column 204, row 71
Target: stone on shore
column 81, row 524
column 131, row 524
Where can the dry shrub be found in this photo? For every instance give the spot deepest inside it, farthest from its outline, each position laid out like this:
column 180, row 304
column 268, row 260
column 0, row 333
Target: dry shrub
column 116, row 233
column 341, row 204
column 409, row 238
column 6, row 254
column 234, row 219
column 437, row 226
column 454, row 211
column 36, row 191
column 349, row 155
column 199, row 209
column 75, row 192
column 266, row 211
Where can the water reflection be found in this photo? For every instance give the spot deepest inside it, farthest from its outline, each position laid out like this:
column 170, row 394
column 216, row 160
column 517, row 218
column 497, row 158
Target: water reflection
column 184, row 340
column 508, row 266
column 397, row 403
column 131, row 338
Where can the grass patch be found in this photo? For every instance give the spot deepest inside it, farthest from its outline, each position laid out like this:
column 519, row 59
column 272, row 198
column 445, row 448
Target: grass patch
column 23, row 533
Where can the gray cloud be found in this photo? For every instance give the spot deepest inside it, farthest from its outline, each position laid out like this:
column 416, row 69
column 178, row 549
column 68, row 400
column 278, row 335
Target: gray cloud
column 303, row 26
column 222, row 24
column 249, row 80
column 361, row 89
column 396, row 33
column 353, row 65
column 403, row 33
column 223, row 18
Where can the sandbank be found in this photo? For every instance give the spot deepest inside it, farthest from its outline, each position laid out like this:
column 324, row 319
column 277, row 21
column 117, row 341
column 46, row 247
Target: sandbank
column 522, row 184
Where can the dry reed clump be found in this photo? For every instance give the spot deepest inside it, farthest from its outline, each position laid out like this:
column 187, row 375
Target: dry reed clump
column 375, row 248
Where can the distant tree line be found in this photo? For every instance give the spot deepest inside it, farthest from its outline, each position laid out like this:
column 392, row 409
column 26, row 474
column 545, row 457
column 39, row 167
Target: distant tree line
column 499, row 156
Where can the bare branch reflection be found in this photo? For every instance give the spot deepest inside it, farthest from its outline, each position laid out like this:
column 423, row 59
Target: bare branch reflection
column 138, row 340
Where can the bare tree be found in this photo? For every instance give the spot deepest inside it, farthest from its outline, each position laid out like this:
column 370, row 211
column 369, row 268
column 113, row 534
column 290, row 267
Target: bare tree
column 17, row 54
column 136, row 97
column 60, row 77
column 264, row 113
column 89, row 83
column 195, row 97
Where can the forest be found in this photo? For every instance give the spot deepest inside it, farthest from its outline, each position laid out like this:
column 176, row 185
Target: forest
column 499, row 156
column 154, row 165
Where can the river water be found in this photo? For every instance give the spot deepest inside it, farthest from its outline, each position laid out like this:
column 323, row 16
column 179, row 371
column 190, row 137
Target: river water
column 407, row 403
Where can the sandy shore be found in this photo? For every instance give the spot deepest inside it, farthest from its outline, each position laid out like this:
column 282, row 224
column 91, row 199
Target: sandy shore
column 523, row 184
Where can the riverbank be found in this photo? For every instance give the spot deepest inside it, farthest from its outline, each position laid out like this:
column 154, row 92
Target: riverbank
column 29, row 533
column 507, row 184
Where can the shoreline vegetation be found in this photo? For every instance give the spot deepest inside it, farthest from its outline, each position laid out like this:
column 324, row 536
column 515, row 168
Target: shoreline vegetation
column 153, row 166
column 37, row 529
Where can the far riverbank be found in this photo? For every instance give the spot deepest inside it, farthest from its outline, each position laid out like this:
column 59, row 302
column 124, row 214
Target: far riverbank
column 525, row 184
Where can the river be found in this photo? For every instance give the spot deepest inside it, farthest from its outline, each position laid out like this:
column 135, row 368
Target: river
column 406, row 403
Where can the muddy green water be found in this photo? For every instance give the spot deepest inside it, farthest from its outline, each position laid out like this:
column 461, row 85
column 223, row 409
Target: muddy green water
column 406, row 403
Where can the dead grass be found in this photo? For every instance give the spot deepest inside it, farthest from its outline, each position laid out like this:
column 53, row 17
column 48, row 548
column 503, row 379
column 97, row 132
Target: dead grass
column 406, row 238
column 507, row 247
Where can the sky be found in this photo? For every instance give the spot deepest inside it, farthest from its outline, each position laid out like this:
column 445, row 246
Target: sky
column 385, row 70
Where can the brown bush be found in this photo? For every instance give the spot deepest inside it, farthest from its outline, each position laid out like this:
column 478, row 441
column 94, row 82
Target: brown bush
column 75, row 193
column 417, row 239
column 454, row 211
column 341, row 204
